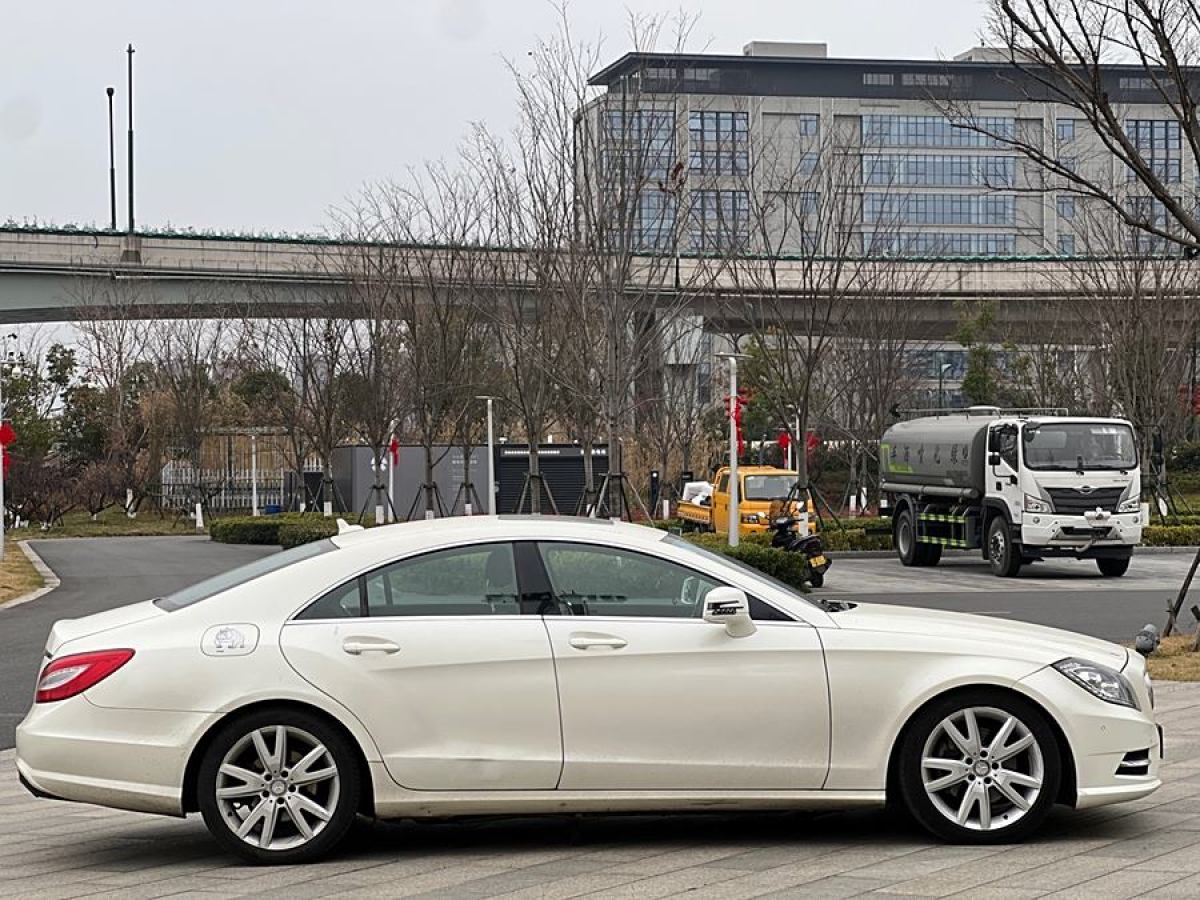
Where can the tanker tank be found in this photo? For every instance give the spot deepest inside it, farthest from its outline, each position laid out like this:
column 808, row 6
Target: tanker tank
column 940, row 456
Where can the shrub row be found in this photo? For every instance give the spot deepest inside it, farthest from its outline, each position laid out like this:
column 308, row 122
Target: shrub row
column 1171, row 535
column 293, row 534
column 268, row 529
column 754, row 551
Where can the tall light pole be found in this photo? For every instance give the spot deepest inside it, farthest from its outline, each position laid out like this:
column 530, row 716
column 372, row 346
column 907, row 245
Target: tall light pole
column 735, row 519
column 130, row 52
column 942, row 370
column 112, row 164
column 491, row 456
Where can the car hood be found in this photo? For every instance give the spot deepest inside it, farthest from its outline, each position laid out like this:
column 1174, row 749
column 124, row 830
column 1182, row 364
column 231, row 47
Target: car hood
column 1033, row 642
column 66, row 630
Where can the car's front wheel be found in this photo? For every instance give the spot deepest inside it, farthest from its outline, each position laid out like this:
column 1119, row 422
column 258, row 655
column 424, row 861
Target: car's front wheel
column 279, row 786
column 979, row 767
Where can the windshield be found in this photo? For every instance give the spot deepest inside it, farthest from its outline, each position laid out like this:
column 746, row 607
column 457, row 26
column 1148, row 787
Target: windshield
column 676, row 541
column 767, row 487
column 241, row 575
column 1074, row 446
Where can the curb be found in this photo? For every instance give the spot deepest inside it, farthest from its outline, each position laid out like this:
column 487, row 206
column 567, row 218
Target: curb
column 49, row 579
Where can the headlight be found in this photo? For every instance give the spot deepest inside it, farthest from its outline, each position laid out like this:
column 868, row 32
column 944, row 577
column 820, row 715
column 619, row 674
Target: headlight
column 1037, row 504
column 750, row 519
column 1105, row 683
column 1132, row 505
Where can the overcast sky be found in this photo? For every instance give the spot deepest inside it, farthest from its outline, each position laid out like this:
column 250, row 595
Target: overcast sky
column 262, row 114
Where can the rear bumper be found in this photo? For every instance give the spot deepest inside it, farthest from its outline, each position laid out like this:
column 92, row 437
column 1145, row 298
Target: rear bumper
column 127, row 759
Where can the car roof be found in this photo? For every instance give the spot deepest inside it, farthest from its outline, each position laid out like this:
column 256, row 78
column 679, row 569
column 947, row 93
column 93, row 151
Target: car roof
column 513, row 527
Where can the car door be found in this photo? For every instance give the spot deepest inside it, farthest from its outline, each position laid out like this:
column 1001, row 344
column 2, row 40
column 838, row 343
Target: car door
column 433, row 654
column 655, row 698
column 1003, row 446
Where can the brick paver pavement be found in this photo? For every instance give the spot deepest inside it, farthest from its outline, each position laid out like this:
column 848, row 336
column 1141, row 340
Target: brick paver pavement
column 1150, row 849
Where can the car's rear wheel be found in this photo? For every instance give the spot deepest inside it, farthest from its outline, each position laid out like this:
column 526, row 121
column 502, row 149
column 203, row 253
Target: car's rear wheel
column 279, row 786
column 979, row 767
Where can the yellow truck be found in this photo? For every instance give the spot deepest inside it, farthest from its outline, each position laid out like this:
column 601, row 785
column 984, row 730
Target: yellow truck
column 708, row 510
column 766, row 502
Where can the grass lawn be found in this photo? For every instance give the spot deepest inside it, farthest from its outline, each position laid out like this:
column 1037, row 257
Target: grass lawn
column 17, row 574
column 111, row 523
column 1174, row 660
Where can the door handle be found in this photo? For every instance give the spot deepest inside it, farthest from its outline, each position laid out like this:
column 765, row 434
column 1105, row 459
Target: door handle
column 594, row 641
column 358, row 646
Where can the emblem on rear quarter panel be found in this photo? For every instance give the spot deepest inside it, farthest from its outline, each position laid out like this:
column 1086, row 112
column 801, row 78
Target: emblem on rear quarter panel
column 234, row 639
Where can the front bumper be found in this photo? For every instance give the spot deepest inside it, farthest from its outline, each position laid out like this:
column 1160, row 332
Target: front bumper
column 127, row 759
column 1100, row 736
column 1081, row 533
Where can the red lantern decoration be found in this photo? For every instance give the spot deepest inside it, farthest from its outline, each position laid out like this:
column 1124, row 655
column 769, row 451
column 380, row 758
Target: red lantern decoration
column 394, row 450
column 7, row 435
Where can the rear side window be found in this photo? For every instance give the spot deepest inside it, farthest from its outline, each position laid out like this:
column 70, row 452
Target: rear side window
column 479, row 580
column 242, row 574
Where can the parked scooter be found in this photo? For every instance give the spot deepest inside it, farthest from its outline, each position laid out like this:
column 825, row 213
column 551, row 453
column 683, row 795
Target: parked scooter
column 785, row 534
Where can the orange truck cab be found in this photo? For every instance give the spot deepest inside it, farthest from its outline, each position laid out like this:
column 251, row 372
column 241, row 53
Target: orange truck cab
column 759, row 486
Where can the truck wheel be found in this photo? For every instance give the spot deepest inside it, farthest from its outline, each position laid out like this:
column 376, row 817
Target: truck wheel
column 932, row 554
column 1002, row 554
column 904, row 538
column 1113, row 567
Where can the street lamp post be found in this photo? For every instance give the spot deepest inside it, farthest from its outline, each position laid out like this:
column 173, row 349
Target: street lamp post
column 735, row 518
column 491, row 456
column 130, row 52
column 942, row 370
column 254, row 474
column 112, row 165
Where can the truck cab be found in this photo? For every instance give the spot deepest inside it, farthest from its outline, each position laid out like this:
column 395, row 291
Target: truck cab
column 1017, row 486
column 758, row 487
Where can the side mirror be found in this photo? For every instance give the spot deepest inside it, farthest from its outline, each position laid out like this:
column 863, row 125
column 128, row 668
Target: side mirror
column 729, row 607
column 993, row 459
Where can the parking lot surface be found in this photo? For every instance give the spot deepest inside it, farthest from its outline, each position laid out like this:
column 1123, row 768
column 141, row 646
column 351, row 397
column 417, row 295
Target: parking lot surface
column 1150, row 848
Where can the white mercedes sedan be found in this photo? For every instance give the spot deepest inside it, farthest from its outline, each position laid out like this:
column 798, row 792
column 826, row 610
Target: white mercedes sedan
column 533, row 665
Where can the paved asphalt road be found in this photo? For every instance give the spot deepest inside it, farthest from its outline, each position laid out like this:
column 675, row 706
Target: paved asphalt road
column 101, row 573
column 1061, row 593
column 97, row 574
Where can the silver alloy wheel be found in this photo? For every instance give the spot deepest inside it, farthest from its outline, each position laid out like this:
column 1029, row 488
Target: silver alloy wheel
column 997, row 545
column 982, row 768
column 277, row 787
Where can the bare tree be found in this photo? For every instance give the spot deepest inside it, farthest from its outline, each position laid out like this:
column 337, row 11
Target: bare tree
column 1063, row 51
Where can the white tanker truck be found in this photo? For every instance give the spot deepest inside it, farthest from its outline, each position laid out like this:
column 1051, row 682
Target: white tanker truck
column 1018, row 485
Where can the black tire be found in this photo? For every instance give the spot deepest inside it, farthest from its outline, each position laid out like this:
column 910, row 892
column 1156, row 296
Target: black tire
column 1113, row 567
column 911, row 551
column 1003, row 554
column 904, row 538
column 342, row 797
column 816, row 579
column 911, row 775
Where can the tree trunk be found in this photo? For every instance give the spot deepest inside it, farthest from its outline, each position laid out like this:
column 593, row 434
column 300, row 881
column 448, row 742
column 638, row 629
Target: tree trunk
column 428, row 486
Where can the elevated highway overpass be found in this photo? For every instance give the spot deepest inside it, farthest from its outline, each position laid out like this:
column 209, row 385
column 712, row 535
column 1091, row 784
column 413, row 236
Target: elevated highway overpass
column 57, row 275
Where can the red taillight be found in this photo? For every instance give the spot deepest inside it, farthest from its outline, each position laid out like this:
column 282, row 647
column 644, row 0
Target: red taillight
column 70, row 675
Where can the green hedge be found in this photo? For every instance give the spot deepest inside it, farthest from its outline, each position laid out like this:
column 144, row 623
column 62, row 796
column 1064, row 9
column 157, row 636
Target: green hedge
column 293, row 534
column 268, row 529
column 756, row 552
column 1171, row 535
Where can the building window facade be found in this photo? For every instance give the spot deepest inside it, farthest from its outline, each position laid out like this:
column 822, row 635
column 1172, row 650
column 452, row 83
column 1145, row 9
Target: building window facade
column 940, row 209
column 878, row 78
column 638, row 144
column 939, row 171
column 1066, row 207
column 940, row 243
column 1064, row 130
column 1066, row 245
column 719, row 143
column 935, row 131
column 791, row 125
column 1153, row 134
column 720, row 220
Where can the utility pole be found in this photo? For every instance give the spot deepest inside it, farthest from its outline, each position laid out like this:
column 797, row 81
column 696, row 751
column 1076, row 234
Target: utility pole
column 735, row 519
column 130, row 52
column 112, row 164
column 491, row 457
